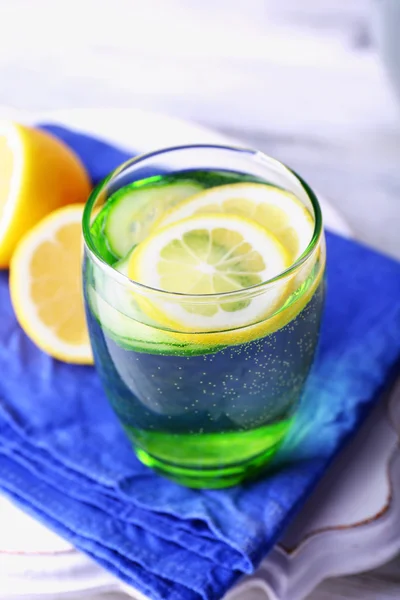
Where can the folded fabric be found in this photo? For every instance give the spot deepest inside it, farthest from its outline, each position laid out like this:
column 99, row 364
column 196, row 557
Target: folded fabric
column 65, row 459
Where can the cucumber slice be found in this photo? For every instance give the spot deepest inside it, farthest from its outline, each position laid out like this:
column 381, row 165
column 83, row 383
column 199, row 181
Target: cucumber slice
column 122, row 265
column 114, row 307
column 134, row 209
column 116, row 294
column 131, row 334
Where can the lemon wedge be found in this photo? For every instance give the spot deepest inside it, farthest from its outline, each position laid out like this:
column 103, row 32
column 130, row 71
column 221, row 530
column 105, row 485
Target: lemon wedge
column 38, row 174
column 46, row 286
column 273, row 208
column 209, row 254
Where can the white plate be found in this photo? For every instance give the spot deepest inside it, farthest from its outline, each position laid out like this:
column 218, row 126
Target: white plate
column 350, row 524
column 34, row 561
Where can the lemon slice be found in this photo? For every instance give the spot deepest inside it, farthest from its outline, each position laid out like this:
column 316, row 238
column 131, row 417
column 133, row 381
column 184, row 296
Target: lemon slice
column 39, row 173
column 46, row 286
column 275, row 209
column 209, row 254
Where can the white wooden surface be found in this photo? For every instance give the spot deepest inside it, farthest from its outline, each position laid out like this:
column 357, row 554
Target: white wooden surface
column 300, row 80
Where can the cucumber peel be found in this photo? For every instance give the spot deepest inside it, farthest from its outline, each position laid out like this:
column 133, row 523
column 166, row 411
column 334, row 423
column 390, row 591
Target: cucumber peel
column 135, row 208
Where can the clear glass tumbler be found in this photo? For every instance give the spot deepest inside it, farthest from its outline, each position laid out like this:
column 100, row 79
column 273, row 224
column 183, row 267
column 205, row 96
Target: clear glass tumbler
column 205, row 406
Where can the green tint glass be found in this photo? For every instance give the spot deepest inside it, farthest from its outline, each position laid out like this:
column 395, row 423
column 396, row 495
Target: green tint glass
column 207, row 408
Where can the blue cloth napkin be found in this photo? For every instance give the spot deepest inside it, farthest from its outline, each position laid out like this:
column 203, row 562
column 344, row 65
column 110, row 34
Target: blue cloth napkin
column 65, row 460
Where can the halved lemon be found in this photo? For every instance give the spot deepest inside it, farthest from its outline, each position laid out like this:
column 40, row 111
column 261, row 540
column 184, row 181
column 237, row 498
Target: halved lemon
column 46, row 286
column 273, row 208
column 39, row 173
column 209, row 254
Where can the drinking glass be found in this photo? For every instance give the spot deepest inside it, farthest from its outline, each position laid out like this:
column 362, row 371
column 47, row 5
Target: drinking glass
column 204, row 408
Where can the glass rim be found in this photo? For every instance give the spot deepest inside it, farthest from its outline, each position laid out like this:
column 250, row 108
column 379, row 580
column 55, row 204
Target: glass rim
column 140, row 287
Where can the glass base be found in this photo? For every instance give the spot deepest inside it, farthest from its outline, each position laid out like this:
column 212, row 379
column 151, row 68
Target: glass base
column 210, row 478
column 209, row 460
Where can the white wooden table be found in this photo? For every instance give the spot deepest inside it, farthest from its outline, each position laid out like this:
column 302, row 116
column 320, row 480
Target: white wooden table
column 299, row 80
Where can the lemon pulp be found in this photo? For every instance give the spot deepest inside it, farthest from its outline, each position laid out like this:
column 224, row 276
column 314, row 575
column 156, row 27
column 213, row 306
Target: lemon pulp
column 209, row 254
column 46, row 286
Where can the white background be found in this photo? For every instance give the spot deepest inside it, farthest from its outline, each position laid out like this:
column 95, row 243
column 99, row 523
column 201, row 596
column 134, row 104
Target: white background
column 298, row 79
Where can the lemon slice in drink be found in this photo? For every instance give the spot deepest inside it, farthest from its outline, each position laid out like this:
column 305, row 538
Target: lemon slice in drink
column 273, row 208
column 209, row 254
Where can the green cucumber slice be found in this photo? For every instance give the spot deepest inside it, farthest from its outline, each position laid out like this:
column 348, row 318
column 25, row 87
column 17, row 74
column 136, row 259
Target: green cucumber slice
column 131, row 334
column 115, row 309
column 122, row 264
column 116, row 294
column 135, row 209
